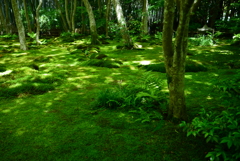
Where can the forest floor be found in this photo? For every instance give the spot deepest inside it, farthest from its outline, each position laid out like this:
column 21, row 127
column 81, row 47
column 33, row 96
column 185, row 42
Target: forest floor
column 46, row 94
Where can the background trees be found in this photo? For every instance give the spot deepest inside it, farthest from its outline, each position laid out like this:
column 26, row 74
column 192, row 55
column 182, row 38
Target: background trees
column 222, row 15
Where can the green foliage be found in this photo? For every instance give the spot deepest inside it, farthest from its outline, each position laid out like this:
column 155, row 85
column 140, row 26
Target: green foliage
column 158, row 36
column 142, row 96
column 69, row 37
column 236, row 39
column 32, row 35
column 230, row 86
column 223, row 129
column 134, row 27
column 202, row 40
column 9, row 36
column 191, row 67
column 232, row 26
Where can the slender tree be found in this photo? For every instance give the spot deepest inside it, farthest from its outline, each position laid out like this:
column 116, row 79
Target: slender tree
column 122, row 24
column 93, row 27
column 73, row 16
column 27, row 17
column 145, row 17
column 59, row 10
column 107, row 15
column 37, row 22
column 175, row 54
column 20, row 27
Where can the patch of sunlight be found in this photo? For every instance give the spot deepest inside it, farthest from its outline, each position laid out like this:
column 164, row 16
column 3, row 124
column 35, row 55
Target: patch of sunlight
column 187, row 92
column 188, row 76
column 74, row 79
column 149, row 47
column 108, row 80
column 209, row 98
column 89, row 76
column 145, row 62
column 5, row 73
column 121, row 114
column 6, row 111
column 15, row 85
column 48, row 104
column 116, row 73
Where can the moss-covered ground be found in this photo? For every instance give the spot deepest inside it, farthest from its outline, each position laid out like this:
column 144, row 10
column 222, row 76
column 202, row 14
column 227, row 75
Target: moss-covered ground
column 46, row 94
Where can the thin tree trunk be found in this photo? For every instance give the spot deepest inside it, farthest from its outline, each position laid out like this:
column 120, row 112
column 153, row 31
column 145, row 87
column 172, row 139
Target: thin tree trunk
column 3, row 23
column 27, row 17
column 93, row 27
column 67, row 15
column 73, row 15
column 37, row 22
column 122, row 24
column 7, row 17
column 175, row 55
column 20, row 27
column 145, row 17
column 62, row 16
column 107, row 16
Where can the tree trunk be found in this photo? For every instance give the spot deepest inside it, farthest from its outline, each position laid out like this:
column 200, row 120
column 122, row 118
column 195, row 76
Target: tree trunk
column 107, row 16
column 93, row 27
column 67, row 15
column 27, row 17
column 65, row 28
column 73, row 16
column 3, row 23
column 37, row 22
column 7, row 17
column 175, row 55
column 122, row 24
column 20, row 27
column 145, row 17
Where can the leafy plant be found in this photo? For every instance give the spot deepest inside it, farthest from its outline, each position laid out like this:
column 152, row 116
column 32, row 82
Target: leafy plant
column 145, row 93
column 222, row 129
column 230, row 86
column 202, row 40
column 9, row 36
column 158, row 36
column 32, row 35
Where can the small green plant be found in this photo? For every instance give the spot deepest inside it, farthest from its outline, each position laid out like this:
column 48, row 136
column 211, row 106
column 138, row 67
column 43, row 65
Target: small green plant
column 158, row 36
column 32, row 35
column 145, row 93
column 202, row 40
column 230, row 86
column 222, row 129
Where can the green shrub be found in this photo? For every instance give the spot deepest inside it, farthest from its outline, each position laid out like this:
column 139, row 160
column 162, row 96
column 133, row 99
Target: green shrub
column 230, row 85
column 143, row 97
column 222, row 129
column 202, row 40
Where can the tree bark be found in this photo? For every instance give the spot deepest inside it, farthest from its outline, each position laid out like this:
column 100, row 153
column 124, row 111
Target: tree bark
column 73, row 15
column 175, row 55
column 93, row 27
column 107, row 16
column 7, row 17
column 122, row 24
column 67, row 15
column 65, row 28
column 3, row 23
column 27, row 17
column 37, row 22
column 145, row 17
column 20, row 27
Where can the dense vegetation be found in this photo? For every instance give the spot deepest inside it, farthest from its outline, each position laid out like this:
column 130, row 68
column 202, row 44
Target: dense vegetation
column 67, row 98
